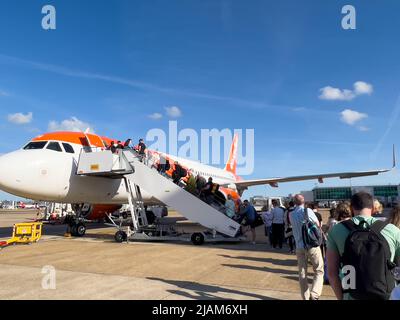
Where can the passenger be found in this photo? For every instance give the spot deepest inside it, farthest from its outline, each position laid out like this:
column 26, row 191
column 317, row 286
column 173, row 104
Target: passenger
column 372, row 262
column 250, row 215
column 230, row 207
column 304, row 254
column 206, row 192
column 69, row 221
column 163, row 165
column 215, row 195
column 178, row 173
column 167, row 165
column 240, row 210
column 332, row 220
column 237, row 216
column 142, row 150
column 314, row 208
column 191, row 184
column 238, row 204
column 378, row 208
column 113, row 147
column 210, row 194
column 278, row 224
column 120, row 145
column 267, row 218
column 394, row 218
column 288, row 228
column 343, row 212
column 160, row 164
column 200, row 183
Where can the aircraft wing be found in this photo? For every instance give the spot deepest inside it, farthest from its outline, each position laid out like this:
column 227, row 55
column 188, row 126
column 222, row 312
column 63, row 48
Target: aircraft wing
column 273, row 182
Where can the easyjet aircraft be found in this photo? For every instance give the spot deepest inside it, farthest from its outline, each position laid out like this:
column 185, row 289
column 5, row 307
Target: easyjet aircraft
column 45, row 169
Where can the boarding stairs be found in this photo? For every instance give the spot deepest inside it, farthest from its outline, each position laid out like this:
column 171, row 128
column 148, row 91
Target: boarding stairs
column 138, row 175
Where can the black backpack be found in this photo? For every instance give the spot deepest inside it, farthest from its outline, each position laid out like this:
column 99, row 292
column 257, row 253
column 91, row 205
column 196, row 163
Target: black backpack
column 367, row 250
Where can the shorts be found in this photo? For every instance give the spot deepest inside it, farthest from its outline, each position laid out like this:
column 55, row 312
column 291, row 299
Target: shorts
column 250, row 223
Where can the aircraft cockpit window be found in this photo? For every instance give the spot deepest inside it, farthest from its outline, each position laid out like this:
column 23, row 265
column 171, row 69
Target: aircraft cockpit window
column 35, row 145
column 55, row 146
column 68, row 148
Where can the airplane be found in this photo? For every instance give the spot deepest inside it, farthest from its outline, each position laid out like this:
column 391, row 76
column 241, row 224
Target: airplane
column 45, row 169
column 23, row 205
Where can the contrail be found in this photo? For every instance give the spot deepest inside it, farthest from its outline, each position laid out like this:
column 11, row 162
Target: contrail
column 129, row 82
column 392, row 121
column 151, row 87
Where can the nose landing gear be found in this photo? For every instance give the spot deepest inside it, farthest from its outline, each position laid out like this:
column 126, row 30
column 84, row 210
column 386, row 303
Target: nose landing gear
column 78, row 230
column 75, row 223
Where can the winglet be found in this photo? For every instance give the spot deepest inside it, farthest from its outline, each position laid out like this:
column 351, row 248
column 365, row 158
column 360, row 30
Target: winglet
column 394, row 157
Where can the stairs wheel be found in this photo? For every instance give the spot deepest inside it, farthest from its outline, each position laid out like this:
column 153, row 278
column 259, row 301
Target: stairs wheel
column 197, row 238
column 120, row 236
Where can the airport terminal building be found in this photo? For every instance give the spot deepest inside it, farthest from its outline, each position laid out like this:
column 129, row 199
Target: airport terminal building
column 387, row 194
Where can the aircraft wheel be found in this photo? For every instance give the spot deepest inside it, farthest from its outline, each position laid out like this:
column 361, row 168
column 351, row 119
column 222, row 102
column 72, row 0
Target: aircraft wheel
column 80, row 230
column 120, row 236
column 125, row 215
column 197, row 238
column 74, row 230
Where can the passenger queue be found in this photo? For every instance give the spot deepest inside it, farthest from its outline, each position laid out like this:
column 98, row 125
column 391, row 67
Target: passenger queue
column 346, row 239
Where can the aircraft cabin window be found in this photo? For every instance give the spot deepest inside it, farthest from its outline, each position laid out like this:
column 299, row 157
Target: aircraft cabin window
column 35, row 145
column 55, row 146
column 68, row 148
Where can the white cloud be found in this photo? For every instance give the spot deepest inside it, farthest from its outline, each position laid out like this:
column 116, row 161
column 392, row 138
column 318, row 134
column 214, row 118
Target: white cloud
column 351, row 117
column 360, row 88
column 4, row 93
column 155, row 116
column 72, row 124
column 20, row 118
column 173, row 112
column 330, row 93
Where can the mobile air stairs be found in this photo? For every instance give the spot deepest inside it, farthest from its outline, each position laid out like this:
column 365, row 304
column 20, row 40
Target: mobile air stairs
column 138, row 175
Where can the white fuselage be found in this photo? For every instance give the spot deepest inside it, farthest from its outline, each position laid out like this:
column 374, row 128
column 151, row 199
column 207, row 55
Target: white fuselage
column 49, row 175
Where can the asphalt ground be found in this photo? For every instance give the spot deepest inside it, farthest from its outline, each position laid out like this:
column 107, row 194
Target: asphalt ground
column 96, row 267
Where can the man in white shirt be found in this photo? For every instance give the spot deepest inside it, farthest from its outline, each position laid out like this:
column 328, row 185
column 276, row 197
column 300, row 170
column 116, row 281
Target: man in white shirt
column 297, row 217
column 278, row 224
column 266, row 215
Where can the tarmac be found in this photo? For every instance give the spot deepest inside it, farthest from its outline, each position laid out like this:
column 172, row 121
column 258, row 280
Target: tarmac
column 96, row 267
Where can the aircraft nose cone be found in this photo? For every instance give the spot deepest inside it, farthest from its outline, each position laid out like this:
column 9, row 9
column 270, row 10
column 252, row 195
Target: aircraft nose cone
column 9, row 176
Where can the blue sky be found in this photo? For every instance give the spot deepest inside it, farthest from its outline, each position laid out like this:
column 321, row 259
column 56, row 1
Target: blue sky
column 224, row 64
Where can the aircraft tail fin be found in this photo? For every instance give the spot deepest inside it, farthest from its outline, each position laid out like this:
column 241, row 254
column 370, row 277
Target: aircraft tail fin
column 232, row 160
